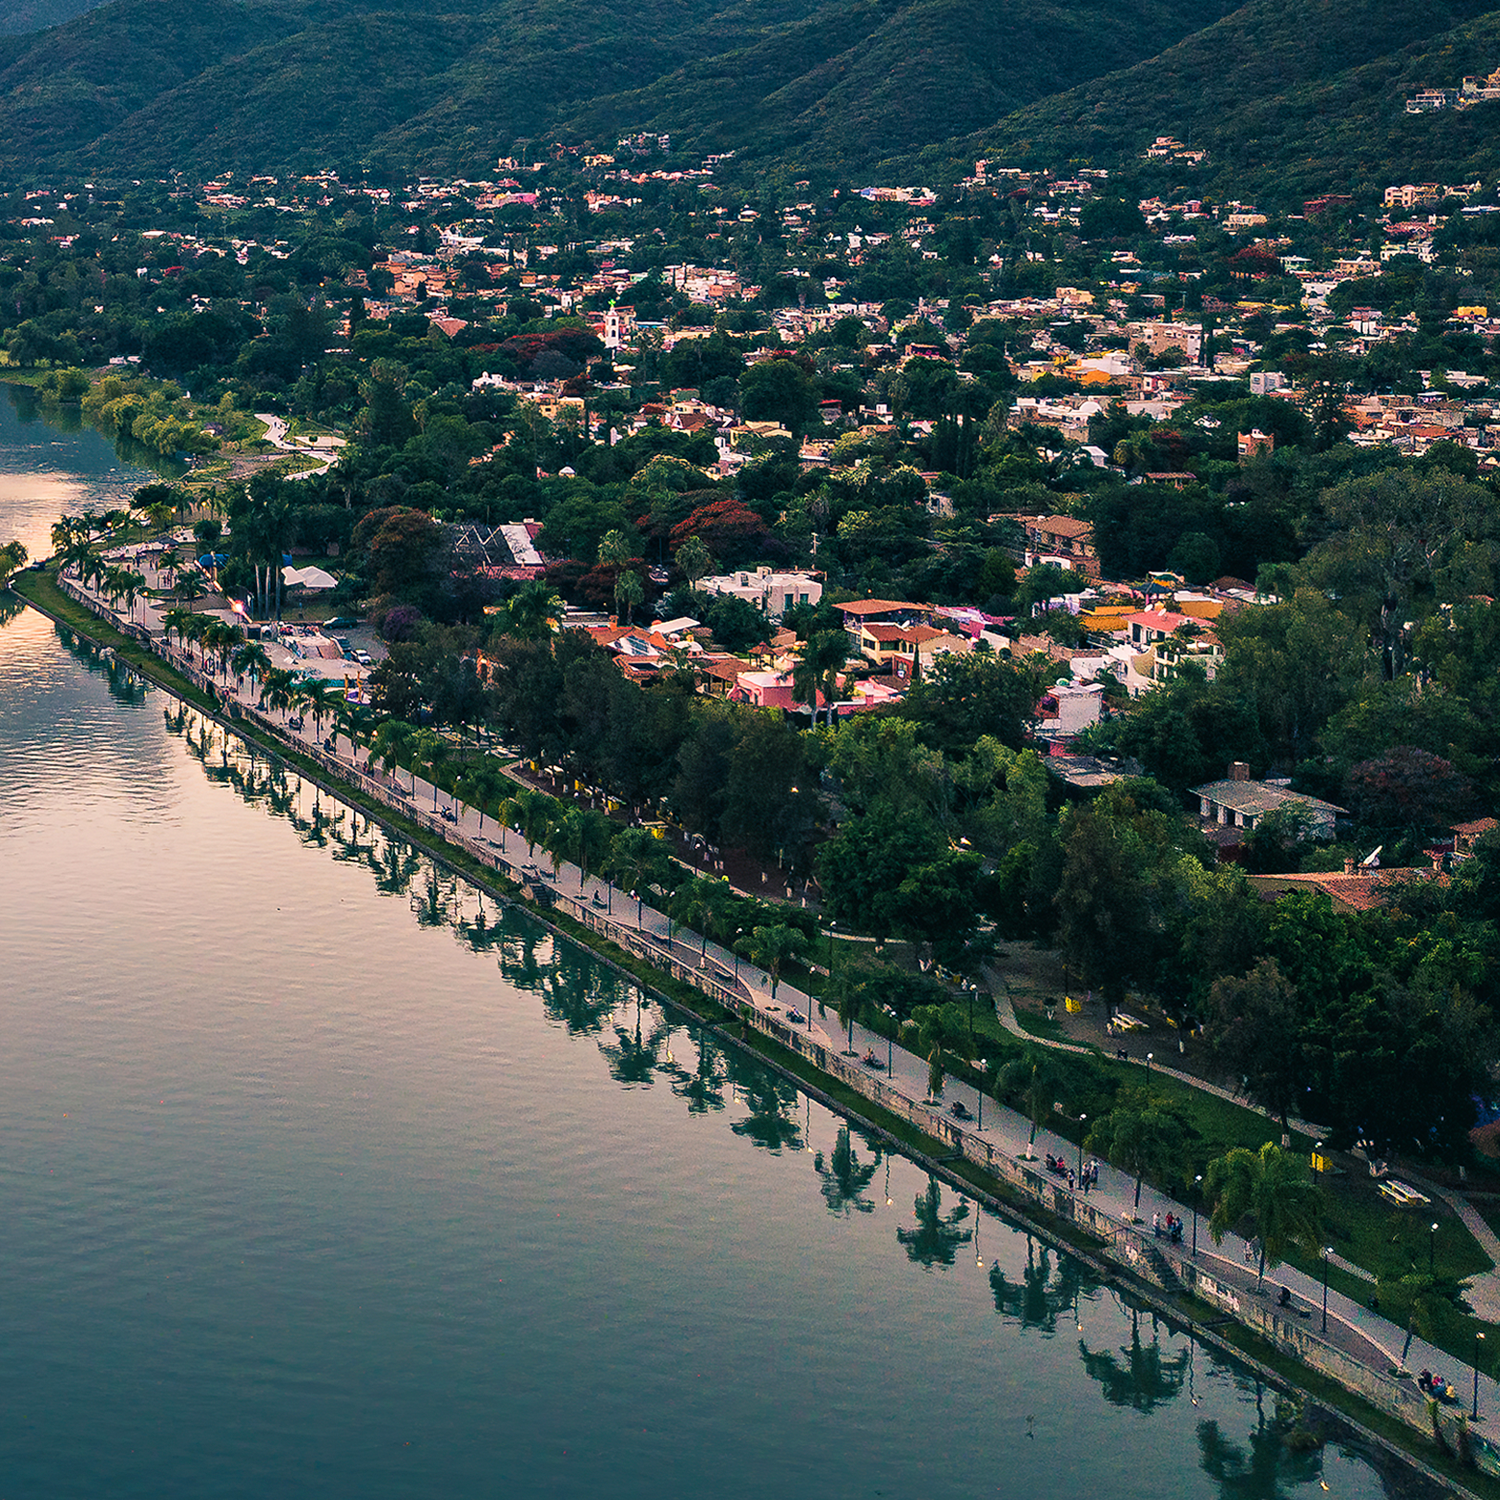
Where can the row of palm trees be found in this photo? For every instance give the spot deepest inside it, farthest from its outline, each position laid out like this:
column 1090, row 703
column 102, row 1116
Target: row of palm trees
column 632, row 858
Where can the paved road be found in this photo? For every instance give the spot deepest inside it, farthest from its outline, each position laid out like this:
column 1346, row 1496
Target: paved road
column 275, row 435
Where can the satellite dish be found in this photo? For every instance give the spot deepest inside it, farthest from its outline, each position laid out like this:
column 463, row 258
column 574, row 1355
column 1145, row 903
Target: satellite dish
column 1371, row 861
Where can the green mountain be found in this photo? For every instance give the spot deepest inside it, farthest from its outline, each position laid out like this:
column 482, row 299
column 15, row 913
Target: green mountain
column 21, row 16
column 845, row 87
column 149, row 85
column 1292, row 98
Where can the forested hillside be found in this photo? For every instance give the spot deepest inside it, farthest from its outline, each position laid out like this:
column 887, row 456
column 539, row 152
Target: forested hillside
column 153, row 85
column 1290, row 97
column 20, row 16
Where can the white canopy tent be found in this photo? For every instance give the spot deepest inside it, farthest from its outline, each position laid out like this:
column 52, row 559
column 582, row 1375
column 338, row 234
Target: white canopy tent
column 308, row 578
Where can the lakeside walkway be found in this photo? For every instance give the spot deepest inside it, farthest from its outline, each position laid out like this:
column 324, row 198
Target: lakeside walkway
column 1358, row 1331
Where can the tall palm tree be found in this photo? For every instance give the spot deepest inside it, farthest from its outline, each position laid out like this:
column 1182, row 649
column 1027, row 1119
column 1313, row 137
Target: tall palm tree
column 629, row 592
column 582, row 836
column 614, row 549
column 123, row 583
column 278, row 689
column 770, row 947
column 195, row 629
column 817, row 668
column 431, row 752
column 221, row 638
column 391, row 743
column 695, row 560
column 319, row 694
column 76, row 554
column 1036, row 1077
column 483, row 785
column 356, row 720
column 173, row 622
column 704, row 905
column 1272, row 1188
column 250, row 659
column 638, row 860
column 533, row 813
column 533, row 611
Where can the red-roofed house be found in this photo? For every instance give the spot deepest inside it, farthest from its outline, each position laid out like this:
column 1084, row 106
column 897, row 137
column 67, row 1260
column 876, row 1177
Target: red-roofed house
column 1065, row 537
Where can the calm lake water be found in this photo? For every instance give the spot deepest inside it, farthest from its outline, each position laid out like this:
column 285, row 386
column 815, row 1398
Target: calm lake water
column 53, row 464
column 324, row 1177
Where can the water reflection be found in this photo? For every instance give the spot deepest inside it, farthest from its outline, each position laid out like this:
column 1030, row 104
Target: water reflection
column 1264, row 1467
column 1138, row 1375
column 435, row 901
column 125, row 685
column 32, row 410
column 771, row 1101
column 937, row 1237
column 12, row 606
column 633, row 1055
column 1049, row 1287
column 845, row 1177
column 577, row 992
column 702, row 1086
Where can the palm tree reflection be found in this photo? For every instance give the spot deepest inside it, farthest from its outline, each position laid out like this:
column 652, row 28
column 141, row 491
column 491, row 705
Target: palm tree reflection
column 703, row 1087
column 395, row 865
column 1040, row 1298
column 937, row 1236
column 771, row 1122
column 578, row 992
column 633, row 1058
column 432, row 904
column 1267, row 1471
column 1140, row 1378
column 845, row 1177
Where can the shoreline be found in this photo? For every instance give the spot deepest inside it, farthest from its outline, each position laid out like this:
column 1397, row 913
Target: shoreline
column 1322, row 1396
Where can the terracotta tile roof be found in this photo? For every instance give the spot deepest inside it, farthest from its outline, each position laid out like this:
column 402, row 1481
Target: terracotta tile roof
column 1062, row 526
column 876, row 606
column 1359, row 892
column 1476, row 828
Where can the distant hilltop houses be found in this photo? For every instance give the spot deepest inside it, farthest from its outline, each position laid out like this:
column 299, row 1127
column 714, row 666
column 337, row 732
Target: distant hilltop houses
column 1472, row 91
column 1169, row 148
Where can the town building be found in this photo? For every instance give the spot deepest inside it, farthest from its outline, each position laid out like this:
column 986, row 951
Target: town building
column 770, row 592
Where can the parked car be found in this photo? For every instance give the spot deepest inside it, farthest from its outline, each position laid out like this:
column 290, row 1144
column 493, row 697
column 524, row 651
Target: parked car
column 340, row 622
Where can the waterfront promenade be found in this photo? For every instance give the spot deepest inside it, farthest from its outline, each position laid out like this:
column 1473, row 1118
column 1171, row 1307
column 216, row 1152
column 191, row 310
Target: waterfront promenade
column 992, row 1135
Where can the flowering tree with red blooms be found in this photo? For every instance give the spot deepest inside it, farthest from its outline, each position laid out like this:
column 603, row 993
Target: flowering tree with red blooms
column 728, row 528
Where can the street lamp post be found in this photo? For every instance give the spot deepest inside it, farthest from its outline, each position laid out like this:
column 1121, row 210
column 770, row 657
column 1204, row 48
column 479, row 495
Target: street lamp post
column 1149, row 1057
column 1327, row 1251
column 1474, row 1414
column 1082, row 1123
column 1197, row 1193
column 1431, row 1248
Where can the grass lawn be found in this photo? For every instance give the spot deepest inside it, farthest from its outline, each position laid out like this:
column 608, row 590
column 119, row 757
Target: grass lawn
column 1039, row 1025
